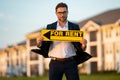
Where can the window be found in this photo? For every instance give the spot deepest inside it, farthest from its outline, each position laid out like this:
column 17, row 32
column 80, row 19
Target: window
column 8, row 54
column 93, row 35
column 94, row 67
column 118, row 32
column 34, row 69
column 108, row 33
column 93, row 51
column 8, row 64
column 33, row 56
column 17, row 63
column 32, row 42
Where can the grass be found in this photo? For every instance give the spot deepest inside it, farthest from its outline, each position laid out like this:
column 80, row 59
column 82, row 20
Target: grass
column 101, row 76
column 97, row 76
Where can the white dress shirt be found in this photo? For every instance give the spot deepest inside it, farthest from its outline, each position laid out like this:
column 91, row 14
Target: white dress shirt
column 61, row 49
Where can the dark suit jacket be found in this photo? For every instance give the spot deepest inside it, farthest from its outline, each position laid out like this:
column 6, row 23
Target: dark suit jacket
column 81, row 55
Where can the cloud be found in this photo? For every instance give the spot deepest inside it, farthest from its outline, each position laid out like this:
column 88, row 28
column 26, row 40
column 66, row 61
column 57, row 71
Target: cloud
column 4, row 16
column 1, row 15
column 6, row 29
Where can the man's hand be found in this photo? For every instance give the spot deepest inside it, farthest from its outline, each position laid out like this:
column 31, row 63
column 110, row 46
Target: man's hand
column 39, row 41
column 84, row 44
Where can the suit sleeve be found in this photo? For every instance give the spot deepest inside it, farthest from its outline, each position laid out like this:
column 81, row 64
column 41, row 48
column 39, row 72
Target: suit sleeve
column 77, row 45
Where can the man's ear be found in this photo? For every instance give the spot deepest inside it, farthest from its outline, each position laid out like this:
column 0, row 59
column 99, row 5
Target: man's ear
column 55, row 12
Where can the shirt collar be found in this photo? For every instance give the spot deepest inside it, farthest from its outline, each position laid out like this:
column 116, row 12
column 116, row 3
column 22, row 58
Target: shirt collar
column 66, row 25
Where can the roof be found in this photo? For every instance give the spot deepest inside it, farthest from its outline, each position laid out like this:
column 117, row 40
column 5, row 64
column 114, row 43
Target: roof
column 107, row 17
column 22, row 43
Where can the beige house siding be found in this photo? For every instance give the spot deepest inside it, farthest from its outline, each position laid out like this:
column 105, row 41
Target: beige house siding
column 111, row 41
column 3, row 64
column 35, row 62
column 93, row 31
column 13, row 61
column 106, row 44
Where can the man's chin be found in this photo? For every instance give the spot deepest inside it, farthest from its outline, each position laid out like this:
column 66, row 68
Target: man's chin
column 63, row 20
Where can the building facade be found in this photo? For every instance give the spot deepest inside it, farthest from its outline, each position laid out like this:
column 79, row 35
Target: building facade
column 13, row 61
column 103, row 44
column 35, row 62
column 111, row 44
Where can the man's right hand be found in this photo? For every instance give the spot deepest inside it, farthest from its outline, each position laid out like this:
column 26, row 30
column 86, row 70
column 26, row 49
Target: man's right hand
column 39, row 41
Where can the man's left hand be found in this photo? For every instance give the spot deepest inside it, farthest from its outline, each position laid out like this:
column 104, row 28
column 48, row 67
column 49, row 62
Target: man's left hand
column 84, row 44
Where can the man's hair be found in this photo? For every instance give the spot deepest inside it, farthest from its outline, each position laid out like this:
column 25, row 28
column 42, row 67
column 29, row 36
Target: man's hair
column 61, row 4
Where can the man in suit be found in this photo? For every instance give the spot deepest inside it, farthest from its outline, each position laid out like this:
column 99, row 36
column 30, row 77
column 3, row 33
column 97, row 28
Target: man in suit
column 62, row 53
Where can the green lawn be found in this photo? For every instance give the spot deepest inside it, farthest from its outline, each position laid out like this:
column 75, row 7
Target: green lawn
column 97, row 76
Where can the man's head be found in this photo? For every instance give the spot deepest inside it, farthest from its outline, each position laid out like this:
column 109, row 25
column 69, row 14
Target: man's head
column 61, row 5
column 62, row 11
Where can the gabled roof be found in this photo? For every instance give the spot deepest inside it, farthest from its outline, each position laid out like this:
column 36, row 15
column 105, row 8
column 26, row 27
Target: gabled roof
column 105, row 18
column 22, row 43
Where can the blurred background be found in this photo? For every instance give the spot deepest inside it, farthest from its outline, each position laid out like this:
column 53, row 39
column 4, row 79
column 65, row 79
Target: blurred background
column 21, row 22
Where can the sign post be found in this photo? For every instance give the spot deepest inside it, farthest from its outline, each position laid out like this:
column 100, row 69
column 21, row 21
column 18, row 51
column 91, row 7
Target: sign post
column 62, row 35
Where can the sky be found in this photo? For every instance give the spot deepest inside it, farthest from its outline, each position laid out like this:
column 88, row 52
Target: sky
column 21, row 17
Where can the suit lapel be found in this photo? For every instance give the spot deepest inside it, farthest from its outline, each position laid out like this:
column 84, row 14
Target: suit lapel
column 54, row 26
column 69, row 26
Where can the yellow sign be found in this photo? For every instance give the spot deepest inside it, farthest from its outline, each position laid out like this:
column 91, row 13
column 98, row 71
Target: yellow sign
column 62, row 35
